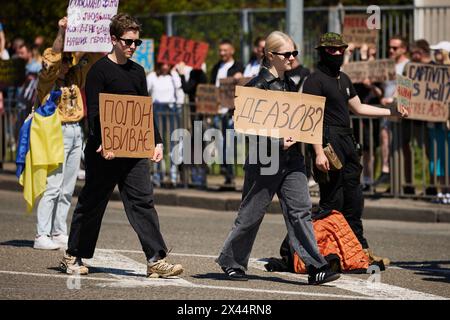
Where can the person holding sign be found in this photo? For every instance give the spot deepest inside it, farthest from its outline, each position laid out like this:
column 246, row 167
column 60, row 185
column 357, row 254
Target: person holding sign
column 117, row 74
column 289, row 182
column 60, row 71
column 340, row 189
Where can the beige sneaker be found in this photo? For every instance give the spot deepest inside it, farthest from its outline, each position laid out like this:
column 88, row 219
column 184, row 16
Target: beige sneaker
column 163, row 269
column 373, row 257
column 73, row 265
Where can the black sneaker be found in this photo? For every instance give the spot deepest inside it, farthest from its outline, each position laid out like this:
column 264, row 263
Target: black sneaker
column 384, row 178
column 235, row 274
column 322, row 276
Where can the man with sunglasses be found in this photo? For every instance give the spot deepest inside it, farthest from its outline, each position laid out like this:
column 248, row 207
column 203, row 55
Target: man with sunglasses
column 398, row 51
column 340, row 190
column 117, row 74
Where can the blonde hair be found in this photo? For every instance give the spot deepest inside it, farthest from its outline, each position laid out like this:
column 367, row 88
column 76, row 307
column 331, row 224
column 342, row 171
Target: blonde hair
column 274, row 41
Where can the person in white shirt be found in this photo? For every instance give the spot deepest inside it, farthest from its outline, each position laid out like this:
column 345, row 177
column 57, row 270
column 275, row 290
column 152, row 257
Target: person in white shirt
column 164, row 86
column 398, row 50
column 225, row 68
column 252, row 68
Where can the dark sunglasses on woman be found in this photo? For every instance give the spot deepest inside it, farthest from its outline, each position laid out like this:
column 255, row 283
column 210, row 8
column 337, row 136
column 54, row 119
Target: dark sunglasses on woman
column 287, row 55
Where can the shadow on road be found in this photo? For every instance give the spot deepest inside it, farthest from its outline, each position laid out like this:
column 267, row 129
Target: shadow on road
column 433, row 269
column 112, row 271
column 18, row 243
column 222, row 277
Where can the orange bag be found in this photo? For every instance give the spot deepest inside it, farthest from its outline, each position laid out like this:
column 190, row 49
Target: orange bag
column 335, row 237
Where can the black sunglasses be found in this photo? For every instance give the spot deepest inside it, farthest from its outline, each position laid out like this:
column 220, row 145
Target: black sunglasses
column 287, row 55
column 129, row 42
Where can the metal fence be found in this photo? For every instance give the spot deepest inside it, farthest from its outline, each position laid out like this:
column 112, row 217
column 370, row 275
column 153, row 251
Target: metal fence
column 245, row 25
column 422, row 162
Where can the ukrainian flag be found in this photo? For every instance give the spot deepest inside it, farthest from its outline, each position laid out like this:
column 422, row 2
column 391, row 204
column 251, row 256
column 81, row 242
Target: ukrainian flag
column 40, row 150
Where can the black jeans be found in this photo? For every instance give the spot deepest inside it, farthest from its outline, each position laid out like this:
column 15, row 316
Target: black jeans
column 133, row 178
column 343, row 190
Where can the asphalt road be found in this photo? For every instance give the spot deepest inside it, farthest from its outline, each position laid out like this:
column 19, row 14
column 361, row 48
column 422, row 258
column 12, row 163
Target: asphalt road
column 420, row 253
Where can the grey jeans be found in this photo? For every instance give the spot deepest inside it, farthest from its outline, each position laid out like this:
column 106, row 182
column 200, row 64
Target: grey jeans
column 258, row 192
column 55, row 202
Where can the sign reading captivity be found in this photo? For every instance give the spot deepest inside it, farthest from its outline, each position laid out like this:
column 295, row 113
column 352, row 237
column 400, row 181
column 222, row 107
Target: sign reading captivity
column 227, row 88
column 430, row 99
column 404, row 93
column 357, row 32
column 279, row 114
column 127, row 125
column 144, row 55
column 207, row 99
column 176, row 49
column 376, row 71
column 88, row 25
column 12, row 72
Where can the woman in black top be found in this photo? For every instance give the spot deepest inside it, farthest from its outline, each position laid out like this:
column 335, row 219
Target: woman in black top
column 289, row 183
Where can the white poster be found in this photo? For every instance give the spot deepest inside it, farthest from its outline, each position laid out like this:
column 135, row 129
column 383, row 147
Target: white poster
column 88, row 25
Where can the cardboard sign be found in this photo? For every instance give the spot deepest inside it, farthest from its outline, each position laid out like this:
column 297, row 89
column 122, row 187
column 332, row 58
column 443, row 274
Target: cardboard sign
column 127, row 125
column 279, row 114
column 430, row 99
column 12, row 72
column 207, row 99
column 88, row 25
column 144, row 55
column 404, row 93
column 176, row 49
column 376, row 71
column 356, row 31
column 227, row 88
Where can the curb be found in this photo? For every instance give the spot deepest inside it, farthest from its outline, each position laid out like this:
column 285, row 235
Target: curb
column 372, row 210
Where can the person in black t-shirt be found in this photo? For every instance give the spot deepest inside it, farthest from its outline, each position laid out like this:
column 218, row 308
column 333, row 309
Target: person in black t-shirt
column 340, row 190
column 116, row 74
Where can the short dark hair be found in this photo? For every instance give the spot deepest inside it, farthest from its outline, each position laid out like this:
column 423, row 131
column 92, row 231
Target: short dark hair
column 402, row 39
column 226, row 41
column 258, row 40
column 121, row 23
column 423, row 45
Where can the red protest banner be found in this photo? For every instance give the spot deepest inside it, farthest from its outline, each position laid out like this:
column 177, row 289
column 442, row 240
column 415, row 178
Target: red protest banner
column 176, row 49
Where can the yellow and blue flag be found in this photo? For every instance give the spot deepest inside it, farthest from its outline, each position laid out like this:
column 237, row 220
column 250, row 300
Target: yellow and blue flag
column 40, row 150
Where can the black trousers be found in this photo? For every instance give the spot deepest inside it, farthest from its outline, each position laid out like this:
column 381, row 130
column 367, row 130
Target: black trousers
column 342, row 190
column 133, row 178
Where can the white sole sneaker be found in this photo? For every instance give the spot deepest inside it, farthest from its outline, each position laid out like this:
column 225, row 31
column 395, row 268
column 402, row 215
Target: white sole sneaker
column 45, row 243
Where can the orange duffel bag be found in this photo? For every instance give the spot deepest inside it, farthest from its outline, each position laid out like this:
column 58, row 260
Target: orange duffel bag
column 335, row 238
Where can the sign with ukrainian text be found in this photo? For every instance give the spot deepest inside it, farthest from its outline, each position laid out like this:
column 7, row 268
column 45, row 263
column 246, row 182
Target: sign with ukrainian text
column 376, row 71
column 357, row 32
column 88, row 25
column 127, row 125
column 144, row 55
column 430, row 100
column 404, row 93
column 279, row 114
column 207, row 99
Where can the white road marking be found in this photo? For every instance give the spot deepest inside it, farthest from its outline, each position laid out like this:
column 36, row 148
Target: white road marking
column 375, row 290
column 129, row 272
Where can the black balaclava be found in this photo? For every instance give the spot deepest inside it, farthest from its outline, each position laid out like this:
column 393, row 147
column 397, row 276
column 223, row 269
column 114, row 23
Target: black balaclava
column 330, row 64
